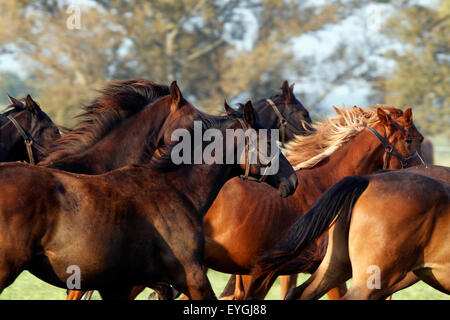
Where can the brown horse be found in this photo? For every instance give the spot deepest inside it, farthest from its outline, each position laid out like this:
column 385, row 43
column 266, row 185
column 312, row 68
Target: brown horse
column 25, row 131
column 121, row 128
column 140, row 226
column 257, row 219
column 387, row 226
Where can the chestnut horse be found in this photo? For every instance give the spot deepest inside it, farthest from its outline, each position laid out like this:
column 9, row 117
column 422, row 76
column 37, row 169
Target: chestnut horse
column 140, row 226
column 386, row 226
column 257, row 219
column 25, row 131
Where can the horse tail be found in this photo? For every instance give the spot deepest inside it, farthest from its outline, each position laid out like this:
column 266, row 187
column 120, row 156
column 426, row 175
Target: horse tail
column 336, row 202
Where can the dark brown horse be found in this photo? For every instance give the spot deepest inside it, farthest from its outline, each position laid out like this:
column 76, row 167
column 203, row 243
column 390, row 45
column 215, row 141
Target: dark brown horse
column 387, row 226
column 140, row 226
column 236, row 233
column 122, row 127
column 119, row 128
column 25, row 131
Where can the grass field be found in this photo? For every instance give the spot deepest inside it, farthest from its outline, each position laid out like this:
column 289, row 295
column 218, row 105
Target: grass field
column 27, row 287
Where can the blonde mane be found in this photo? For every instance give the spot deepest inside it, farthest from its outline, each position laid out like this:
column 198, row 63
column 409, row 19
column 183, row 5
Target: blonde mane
column 328, row 136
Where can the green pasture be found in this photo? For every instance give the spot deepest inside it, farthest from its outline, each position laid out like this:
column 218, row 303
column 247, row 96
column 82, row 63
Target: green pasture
column 28, row 287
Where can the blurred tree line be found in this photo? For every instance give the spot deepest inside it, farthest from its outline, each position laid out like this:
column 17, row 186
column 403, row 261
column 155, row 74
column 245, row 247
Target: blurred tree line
column 232, row 49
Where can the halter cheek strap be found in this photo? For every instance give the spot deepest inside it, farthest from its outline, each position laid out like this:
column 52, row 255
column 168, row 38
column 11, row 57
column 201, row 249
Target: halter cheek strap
column 389, row 149
column 29, row 142
column 283, row 122
column 247, row 158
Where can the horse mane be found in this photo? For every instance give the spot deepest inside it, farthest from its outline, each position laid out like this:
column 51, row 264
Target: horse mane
column 328, row 136
column 117, row 102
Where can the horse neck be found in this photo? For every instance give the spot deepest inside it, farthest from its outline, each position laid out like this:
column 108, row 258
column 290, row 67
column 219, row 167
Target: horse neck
column 266, row 115
column 130, row 143
column 201, row 183
column 362, row 154
column 12, row 144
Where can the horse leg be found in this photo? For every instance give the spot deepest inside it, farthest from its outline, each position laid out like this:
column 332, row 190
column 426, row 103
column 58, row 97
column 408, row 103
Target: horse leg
column 338, row 292
column 229, row 290
column 438, row 278
column 333, row 271
column 163, row 291
column 287, row 282
column 7, row 276
column 197, row 285
column 75, row 294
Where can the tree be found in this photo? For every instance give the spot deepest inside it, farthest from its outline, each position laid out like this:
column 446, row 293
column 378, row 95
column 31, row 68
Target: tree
column 215, row 49
column 13, row 85
column 421, row 77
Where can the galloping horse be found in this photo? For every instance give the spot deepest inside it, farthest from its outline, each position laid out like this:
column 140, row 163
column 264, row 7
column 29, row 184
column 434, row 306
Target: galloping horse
column 122, row 127
column 25, row 131
column 140, row 226
column 257, row 219
column 386, row 226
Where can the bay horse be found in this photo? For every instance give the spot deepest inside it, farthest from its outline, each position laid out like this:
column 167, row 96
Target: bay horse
column 122, row 127
column 119, row 128
column 25, row 131
column 140, row 226
column 382, row 227
column 237, row 233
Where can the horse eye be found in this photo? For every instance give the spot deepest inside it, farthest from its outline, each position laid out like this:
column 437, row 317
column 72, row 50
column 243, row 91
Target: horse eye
column 408, row 141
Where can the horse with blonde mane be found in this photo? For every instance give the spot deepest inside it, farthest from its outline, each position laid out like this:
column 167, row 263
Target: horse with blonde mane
column 353, row 142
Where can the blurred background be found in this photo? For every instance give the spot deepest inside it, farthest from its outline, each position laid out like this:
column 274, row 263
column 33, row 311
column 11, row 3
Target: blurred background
column 353, row 52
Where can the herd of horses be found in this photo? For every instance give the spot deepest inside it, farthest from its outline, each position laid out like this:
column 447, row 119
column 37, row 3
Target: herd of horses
column 354, row 191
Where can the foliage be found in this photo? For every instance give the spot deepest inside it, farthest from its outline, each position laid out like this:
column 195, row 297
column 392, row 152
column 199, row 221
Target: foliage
column 421, row 77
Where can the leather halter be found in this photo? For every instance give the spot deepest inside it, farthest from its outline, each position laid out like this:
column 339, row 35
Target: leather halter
column 389, row 149
column 29, row 141
column 247, row 158
column 283, row 122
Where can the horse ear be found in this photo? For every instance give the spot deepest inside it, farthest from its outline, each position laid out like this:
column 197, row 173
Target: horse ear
column 291, row 87
column 249, row 113
column 408, row 116
column 229, row 110
column 175, row 94
column 338, row 112
column 286, row 90
column 14, row 100
column 384, row 118
column 32, row 105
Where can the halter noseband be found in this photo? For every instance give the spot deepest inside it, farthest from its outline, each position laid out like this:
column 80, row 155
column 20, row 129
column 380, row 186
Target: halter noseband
column 389, row 149
column 283, row 122
column 29, row 141
column 247, row 158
